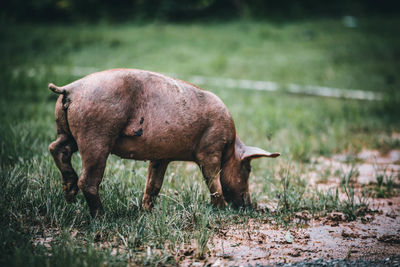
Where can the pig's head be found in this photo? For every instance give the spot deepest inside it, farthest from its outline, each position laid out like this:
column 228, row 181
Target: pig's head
column 236, row 170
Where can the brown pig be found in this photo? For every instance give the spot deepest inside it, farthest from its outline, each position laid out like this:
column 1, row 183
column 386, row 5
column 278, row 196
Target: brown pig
column 143, row 115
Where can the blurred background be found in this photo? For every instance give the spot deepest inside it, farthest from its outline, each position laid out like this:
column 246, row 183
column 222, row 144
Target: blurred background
column 181, row 10
column 312, row 76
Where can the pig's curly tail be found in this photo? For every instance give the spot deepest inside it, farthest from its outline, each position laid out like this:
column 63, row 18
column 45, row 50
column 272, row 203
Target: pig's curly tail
column 56, row 89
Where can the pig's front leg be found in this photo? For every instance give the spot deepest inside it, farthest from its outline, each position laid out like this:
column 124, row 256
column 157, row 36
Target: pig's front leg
column 210, row 166
column 155, row 177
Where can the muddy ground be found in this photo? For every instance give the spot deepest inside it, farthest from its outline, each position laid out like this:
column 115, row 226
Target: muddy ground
column 373, row 236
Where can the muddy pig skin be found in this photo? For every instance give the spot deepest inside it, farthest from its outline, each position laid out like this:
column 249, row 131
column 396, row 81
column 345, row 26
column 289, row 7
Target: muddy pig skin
column 143, row 115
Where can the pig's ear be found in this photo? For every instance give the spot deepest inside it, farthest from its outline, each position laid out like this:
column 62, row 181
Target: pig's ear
column 251, row 152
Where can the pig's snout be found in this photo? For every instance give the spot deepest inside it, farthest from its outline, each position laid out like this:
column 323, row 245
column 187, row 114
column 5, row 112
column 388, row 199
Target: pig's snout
column 243, row 201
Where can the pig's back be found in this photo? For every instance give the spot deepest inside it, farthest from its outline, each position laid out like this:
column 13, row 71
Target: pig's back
column 168, row 118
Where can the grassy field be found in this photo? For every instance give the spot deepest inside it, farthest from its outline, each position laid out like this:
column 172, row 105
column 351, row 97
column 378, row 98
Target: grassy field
column 317, row 52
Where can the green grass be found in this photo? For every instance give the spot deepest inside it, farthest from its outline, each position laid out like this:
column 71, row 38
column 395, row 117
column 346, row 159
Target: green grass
column 320, row 52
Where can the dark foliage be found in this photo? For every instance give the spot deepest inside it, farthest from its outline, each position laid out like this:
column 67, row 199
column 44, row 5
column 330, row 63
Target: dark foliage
column 181, row 10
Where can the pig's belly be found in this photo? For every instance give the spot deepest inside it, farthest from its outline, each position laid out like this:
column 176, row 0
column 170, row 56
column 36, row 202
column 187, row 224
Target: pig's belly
column 139, row 148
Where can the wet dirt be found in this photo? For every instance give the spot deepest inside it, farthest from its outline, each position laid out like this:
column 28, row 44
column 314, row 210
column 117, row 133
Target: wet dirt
column 267, row 244
column 374, row 236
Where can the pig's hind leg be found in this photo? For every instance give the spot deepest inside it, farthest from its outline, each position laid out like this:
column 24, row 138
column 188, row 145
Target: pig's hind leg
column 155, row 177
column 61, row 151
column 94, row 153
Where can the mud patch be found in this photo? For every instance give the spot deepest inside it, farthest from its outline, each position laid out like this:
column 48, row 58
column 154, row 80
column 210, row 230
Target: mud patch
column 374, row 236
column 266, row 244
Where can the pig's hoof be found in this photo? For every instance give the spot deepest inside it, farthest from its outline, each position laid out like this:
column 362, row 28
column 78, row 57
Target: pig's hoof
column 219, row 202
column 147, row 202
column 97, row 213
column 69, row 197
column 147, row 206
column 70, row 194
